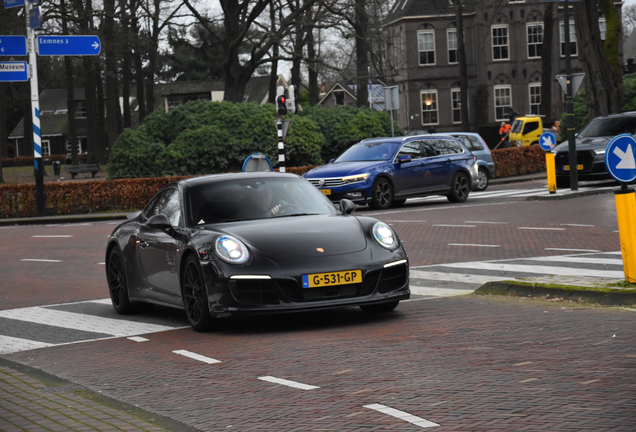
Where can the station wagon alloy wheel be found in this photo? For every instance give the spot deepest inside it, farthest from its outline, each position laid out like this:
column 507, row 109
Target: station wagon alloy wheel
column 382, row 194
column 460, row 188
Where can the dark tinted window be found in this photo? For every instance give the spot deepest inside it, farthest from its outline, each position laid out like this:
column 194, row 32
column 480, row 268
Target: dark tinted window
column 447, row 147
column 411, row 148
column 369, row 152
column 610, row 126
column 475, row 143
column 530, row 126
column 166, row 203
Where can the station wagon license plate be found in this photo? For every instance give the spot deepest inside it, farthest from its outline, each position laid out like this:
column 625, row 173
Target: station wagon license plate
column 326, row 191
column 567, row 167
column 335, row 278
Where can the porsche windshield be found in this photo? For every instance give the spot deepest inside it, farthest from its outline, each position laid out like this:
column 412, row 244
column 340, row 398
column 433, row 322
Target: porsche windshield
column 372, row 151
column 609, row 126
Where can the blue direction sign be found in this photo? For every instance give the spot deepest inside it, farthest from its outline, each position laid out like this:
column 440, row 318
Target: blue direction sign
column 68, row 45
column 13, row 71
column 547, row 141
column 619, row 158
column 13, row 46
column 34, row 18
column 15, row 3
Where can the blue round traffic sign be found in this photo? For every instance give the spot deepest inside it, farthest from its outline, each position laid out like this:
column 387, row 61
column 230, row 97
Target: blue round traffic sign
column 619, row 158
column 547, row 141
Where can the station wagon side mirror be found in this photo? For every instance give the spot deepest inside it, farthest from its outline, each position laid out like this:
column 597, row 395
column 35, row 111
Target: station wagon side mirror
column 159, row 221
column 347, row 206
column 331, row 160
column 404, row 158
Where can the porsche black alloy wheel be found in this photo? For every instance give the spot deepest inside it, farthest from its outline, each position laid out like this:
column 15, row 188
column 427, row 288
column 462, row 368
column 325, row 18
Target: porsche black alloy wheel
column 460, row 187
column 117, row 283
column 194, row 296
column 382, row 194
column 379, row 308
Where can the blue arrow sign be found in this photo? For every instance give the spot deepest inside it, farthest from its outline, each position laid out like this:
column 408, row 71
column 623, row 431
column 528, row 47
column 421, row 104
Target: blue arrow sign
column 68, row 45
column 547, row 141
column 13, row 46
column 34, row 18
column 619, row 158
column 13, row 71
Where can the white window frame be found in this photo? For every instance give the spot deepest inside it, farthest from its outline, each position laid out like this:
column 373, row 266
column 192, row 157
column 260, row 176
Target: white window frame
column 46, row 147
column 452, row 45
column 530, row 43
column 602, row 27
column 80, row 109
column 574, row 49
column 502, row 46
column 534, row 98
column 499, row 98
column 456, row 100
column 432, row 110
column 430, row 47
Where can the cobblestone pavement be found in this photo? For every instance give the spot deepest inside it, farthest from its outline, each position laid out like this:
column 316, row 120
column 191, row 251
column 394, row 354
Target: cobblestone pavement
column 466, row 363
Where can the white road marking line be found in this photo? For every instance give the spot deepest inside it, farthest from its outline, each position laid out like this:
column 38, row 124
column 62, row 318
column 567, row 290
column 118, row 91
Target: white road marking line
column 451, row 226
column 405, row 221
column 578, row 225
column 41, row 260
column 545, row 270
column 440, row 292
column 196, row 356
column 572, row 250
column 76, row 321
column 572, row 259
column 100, row 301
column 486, row 222
column 10, row 344
column 469, row 244
column 542, row 228
column 102, row 263
column 418, row 421
column 455, row 277
column 288, row 383
column 51, row 236
column 138, row 339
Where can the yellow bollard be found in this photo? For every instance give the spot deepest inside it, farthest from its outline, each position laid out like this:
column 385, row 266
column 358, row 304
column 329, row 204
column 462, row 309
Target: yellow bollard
column 625, row 212
column 549, row 164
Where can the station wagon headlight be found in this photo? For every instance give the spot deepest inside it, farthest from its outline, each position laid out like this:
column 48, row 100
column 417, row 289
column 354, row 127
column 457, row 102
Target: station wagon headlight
column 231, row 250
column 384, row 235
column 355, row 178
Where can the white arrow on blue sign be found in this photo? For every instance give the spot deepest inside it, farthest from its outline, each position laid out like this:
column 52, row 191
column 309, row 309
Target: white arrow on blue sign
column 68, row 45
column 619, row 158
column 13, row 46
column 13, row 71
column 547, row 141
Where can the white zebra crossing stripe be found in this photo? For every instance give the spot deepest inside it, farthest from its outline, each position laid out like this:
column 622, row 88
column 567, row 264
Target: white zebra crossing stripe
column 455, row 277
column 10, row 344
column 75, row 321
column 571, row 259
column 544, row 270
column 439, row 292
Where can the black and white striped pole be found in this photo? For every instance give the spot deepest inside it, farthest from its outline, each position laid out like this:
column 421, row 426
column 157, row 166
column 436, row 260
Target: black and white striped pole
column 281, row 109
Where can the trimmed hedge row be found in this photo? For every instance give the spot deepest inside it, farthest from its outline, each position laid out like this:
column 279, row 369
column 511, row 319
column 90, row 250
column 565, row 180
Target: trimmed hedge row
column 98, row 196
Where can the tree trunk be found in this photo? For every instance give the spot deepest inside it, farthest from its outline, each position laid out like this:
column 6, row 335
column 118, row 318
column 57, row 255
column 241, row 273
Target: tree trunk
column 113, row 115
column 4, row 97
column 314, row 90
column 139, row 72
column 362, row 61
column 546, row 62
column 463, row 68
column 70, row 92
column 273, row 76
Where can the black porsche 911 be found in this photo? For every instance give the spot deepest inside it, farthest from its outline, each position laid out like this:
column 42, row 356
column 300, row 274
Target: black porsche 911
column 252, row 243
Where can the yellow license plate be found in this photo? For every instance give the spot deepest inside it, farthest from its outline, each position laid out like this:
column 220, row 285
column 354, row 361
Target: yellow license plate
column 326, row 191
column 328, row 279
column 567, row 167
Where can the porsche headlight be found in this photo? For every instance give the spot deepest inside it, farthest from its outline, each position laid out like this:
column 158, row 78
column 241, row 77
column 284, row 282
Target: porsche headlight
column 231, row 250
column 600, row 151
column 384, row 235
column 355, row 178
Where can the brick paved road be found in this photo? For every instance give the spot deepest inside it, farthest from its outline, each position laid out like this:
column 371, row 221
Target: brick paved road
column 466, row 363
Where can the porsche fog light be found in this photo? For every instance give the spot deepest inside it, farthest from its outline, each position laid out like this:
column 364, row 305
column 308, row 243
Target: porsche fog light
column 384, row 235
column 231, row 250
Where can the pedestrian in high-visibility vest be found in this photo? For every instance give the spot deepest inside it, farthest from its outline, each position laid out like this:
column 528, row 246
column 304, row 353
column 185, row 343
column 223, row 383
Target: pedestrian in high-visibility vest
column 504, row 130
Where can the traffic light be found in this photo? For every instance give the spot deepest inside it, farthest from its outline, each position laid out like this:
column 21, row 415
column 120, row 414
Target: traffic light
column 281, row 99
column 292, row 100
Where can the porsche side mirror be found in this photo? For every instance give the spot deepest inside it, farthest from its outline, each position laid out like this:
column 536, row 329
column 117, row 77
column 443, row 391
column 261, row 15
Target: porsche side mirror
column 159, row 221
column 347, row 206
column 135, row 215
column 404, row 158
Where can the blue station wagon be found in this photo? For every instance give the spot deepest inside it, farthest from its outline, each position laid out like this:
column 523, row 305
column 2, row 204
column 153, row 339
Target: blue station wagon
column 384, row 172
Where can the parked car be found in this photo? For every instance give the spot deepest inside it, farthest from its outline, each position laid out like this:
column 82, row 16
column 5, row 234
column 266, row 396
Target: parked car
column 591, row 143
column 252, row 243
column 383, row 172
column 477, row 146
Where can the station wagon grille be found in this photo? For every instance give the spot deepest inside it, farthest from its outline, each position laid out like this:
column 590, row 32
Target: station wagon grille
column 328, row 182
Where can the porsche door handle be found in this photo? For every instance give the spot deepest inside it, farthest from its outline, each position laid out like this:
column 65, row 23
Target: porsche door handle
column 142, row 243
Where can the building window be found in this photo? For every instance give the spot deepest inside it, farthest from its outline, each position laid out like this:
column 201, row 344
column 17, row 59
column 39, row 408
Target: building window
column 500, row 42
column 451, row 35
column 602, row 26
column 573, row 47
column 46, row 147
column 80, row 109
column 426, row 47
column 535, row 39
column 503, row 102
column 535, row 99
column 429, row 107
column 339, row 97
column 456, row 104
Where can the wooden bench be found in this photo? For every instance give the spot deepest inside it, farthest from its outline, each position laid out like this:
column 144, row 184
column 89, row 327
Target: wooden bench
column 73, row 170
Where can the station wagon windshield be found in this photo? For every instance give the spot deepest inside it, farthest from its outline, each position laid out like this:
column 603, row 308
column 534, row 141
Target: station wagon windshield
column 610, row 126
column 376, row 151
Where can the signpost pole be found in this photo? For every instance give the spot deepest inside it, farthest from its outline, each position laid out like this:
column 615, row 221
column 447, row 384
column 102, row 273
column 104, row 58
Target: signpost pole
column 569, row 101
column 35, row 113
